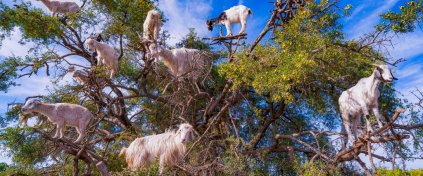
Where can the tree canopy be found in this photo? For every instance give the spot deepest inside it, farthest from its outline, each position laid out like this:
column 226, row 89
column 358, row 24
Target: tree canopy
column 265, row 108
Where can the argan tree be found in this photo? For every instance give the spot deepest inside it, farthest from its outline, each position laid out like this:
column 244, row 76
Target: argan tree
column 266, row 107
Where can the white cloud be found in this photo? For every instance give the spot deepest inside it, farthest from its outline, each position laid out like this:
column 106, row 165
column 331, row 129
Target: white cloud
column 34, row 85
column 409, row 71
column 356, row 11
column 10, row 45
column 182, row 16
column 407, row 45
column 367, row 24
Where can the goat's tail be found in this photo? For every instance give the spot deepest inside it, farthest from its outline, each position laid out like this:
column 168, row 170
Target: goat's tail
column 250, row 12
column 122, row 152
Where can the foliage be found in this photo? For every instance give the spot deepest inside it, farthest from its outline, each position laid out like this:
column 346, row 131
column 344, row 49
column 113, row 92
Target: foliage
column 289, row 84
column 316, row 169
column 192, row 40
column 398, row 172
column 403, row 21
column 303, row 61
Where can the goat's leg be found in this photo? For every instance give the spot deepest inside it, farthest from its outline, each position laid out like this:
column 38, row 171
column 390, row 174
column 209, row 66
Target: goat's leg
column 112, row 73
column 365, row 111
column 81, row 133
column 228, row 28
column 368, row 124
column 58, row 128
column 346, row 122
column 62, row 131
column 99, row 60
column 377, row 115
column 243, row 25
column 161, row 164
column 356, row 121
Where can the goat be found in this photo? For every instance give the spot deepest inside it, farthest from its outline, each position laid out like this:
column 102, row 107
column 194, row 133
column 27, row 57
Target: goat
column 62, row 114
column 106, row 55
column 168, row 146
column 60, row 7
column 182, row 61
column 358, row 100
column 236, row 14
column 152, row 25
column 81, row 76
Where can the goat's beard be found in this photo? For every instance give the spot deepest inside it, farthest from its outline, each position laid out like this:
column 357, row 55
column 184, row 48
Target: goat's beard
column 210, row 27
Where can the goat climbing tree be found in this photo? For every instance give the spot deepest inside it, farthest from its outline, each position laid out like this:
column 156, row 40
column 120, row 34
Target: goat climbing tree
column 266, row 107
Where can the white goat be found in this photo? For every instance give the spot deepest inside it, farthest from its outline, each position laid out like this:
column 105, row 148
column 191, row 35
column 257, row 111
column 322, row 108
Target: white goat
column 361, row 98
column 106, row 55
column 62, row 114
column 168, row 146
column 80, row 75
column 236, row 14
column 152, row 25
column 60, row 7
column 182, row 61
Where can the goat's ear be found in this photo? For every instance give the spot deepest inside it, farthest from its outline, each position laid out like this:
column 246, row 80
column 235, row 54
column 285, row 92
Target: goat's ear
column 376, row 66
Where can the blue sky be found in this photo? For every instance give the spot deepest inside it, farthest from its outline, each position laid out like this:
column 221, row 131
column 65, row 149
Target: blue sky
column 184, row 14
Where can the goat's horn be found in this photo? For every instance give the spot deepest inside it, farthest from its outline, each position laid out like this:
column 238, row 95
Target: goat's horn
column 374, row 65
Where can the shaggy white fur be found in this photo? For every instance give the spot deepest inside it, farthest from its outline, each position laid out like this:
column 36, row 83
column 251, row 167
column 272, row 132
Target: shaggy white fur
column 191, row 63
column 361, row 98
column 106, row 55
column 152, row 25
column 60, row 7
column 168, row 146
column 62, row 114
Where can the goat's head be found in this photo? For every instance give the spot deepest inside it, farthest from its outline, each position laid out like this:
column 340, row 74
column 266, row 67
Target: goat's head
column 219, row 19
column 209, row 24
column 78, row 73
column 186, row 133
column 91, row 44
column 96, row 36
column 155, row 50
column 30, row 105
column 23, row 119
column 70, row 69
column 384, row 73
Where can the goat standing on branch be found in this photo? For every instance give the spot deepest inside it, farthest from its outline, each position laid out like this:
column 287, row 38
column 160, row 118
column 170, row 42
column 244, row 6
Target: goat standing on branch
column 106, row 55
column 168, row 146
column 182, row 61
column 60, row 7
column 358, row 100
column 62, row 114
column 236, row 14
column 79, row 75
column 152, row 25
